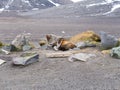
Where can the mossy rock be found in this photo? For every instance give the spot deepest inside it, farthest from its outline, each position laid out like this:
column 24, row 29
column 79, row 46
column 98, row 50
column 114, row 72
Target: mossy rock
column 85, row 36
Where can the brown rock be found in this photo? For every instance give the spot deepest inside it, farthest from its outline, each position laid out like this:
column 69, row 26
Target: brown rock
column 85, row 36
column 65, row 44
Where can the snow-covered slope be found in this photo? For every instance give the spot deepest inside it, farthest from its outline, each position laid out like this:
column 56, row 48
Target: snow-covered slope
column 25, row 5
column 76, row 0
column 62, row 7
column 82, row 8
column 112, row 6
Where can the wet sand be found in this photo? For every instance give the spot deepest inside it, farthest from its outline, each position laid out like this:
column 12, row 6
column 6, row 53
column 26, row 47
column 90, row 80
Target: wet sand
column 102, row 73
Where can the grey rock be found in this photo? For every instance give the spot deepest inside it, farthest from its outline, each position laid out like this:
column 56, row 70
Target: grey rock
column 9, row 48
column 27, row 47
column 25, row 59
column 115, row 52
column 21, row 39
column 80, row 57
column 108, row 41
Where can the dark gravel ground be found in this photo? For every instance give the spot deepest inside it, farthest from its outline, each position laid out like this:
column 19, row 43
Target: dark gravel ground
column 100, row 73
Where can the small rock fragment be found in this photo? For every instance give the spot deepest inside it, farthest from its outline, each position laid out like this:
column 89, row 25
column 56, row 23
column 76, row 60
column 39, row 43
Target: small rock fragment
column 115, row 52
column 42, row 42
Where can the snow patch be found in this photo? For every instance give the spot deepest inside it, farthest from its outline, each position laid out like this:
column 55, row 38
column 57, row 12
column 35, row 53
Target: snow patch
column 113, row 9
column 1, row 10
column 96, row 4
column 76, row 0
column 56, row 4
column 43, row 4
column 8, row 4
column 27, row 2
column 109, row 1
column 35, row 9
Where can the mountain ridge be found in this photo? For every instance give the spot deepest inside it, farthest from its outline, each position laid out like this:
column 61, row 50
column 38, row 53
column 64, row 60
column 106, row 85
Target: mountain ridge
column 64, row 8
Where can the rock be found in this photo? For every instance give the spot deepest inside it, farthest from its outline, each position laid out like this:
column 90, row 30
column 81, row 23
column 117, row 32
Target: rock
column 85, row 36
column 115, row 52
column 22, row 40
column 44, row 44
column 2, row 61
column 108, row 41
column 26, row 47
column 26, row 58
column 9, row 48
column 80, row 57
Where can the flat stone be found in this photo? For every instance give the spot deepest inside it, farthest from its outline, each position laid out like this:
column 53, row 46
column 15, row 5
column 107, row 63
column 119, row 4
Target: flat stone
column 80, row 57
column 25, row 59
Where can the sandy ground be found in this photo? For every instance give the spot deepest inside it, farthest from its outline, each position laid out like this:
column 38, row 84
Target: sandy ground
column 100, row 73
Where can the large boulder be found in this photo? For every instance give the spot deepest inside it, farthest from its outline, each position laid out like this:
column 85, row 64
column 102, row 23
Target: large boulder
column 22, row 41
column 108, row 41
